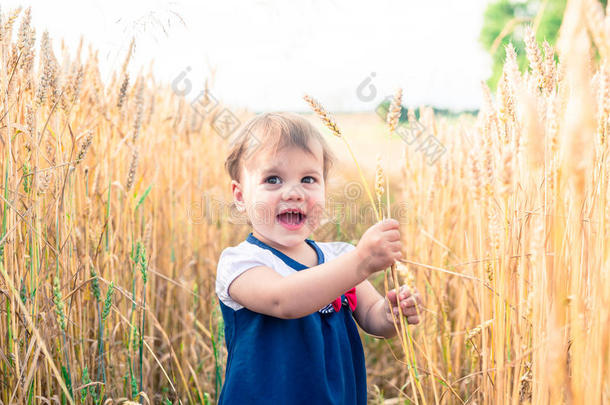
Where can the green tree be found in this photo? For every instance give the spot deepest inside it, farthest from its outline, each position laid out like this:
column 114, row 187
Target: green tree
column 505, row 21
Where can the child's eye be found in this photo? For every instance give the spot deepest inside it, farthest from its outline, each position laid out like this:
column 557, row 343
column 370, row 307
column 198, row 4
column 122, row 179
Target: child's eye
column 313, row 179
column 271, row 178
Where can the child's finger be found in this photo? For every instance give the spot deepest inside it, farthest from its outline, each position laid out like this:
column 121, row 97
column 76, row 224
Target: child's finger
column 406, row 311
column 405, row 291
column 391, row 295
column 410, row 302
column 404, row 294
column 389, row 223
column 413, row 319
column 415, row 300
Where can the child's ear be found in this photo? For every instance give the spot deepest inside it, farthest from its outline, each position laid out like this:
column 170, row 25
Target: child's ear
column 238, row 196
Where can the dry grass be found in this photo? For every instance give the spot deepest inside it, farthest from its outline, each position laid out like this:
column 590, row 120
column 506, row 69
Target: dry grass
column 108, row 255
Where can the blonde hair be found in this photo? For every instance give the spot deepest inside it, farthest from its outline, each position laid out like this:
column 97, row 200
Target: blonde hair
column 276, row 130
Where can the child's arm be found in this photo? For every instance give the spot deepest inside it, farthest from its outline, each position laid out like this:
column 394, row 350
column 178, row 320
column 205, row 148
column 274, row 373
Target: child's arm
column 263, row 290
column 373, row 311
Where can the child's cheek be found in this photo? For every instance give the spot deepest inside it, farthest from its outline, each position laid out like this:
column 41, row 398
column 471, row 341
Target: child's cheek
column 262, row 213
column 315, row 215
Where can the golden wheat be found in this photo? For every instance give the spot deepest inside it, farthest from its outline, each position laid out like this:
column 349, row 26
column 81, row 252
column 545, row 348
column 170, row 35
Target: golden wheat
column 506, row 235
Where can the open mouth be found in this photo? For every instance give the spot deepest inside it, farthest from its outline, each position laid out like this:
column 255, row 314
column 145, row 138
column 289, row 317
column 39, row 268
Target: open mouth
column 291, row 220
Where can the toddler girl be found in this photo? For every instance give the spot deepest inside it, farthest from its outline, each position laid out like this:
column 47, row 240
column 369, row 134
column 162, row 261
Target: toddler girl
column 289, row 303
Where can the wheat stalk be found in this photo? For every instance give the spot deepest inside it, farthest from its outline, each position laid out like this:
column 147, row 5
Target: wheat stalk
column 330, row 123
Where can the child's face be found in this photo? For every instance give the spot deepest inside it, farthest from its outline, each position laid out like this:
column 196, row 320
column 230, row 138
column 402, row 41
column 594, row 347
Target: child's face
column 272, row 184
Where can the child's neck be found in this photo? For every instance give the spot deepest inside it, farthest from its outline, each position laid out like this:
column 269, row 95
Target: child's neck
column 301, row 252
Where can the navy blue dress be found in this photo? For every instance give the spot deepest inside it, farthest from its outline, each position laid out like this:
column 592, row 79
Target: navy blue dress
column 316, row 359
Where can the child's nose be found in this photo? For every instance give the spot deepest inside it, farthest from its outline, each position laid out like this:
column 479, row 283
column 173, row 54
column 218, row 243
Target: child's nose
column 293, row 192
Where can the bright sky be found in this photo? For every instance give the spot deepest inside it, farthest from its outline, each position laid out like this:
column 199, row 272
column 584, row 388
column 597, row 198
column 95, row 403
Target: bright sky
column 267, row 53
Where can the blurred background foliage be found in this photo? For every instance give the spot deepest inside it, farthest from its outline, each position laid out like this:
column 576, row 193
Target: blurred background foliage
column 505, row 21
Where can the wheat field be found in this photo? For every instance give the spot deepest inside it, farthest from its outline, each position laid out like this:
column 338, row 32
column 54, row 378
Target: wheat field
column 115, row 208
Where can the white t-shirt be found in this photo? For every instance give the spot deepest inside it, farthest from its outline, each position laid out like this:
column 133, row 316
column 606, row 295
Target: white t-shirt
column 235, row 260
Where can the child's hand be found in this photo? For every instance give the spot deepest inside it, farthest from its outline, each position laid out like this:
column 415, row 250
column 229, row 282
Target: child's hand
column 411, row 304
column 380, row 246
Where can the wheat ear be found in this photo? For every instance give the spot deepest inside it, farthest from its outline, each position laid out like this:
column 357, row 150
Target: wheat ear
column 332, row 125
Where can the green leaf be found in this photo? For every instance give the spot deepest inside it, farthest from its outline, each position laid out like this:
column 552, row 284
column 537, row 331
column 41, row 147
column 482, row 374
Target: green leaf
column 143, row 196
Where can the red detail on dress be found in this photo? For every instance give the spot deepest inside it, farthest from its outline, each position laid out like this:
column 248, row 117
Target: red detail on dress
column 351, row 299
